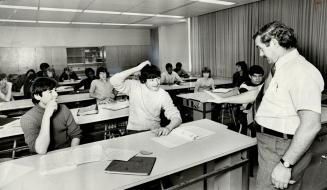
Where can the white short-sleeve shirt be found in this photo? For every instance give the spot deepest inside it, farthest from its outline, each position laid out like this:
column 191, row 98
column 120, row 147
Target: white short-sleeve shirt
column 296, row 85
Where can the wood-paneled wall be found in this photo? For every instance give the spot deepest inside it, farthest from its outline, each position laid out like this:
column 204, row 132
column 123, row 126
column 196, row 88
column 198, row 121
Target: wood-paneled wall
column 119, row 58
column 19, row 60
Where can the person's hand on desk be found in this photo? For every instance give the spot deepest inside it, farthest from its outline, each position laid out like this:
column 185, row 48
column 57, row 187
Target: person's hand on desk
column 162, row 131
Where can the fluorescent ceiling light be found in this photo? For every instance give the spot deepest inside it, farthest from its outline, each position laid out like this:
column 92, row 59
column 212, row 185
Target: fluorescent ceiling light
column 52, row 22
column 216, row 2
column 168, row 16
column 87, row 23
column 18, row 7
column 113, row 24
column 61, row 10
column 10, row 20
column 140, row 25
column 137, row 14
column 102, row 12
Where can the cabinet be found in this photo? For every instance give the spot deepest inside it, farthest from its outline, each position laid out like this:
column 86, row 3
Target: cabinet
column 80, row 58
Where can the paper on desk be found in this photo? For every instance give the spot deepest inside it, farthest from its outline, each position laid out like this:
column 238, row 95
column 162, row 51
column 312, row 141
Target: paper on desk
column 182, row 135
column 10, row 129
column 83, row 155
column 9, row 172
column 119, row 154
column 223, row 90
column 117, row 105
column 69, row 159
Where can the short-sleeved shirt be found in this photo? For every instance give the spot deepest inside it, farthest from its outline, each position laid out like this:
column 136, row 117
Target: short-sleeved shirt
column 145, row 104
column 62, row 127
column 204, row 84
column 167, row 78
column 296, row 85
column 101, row 88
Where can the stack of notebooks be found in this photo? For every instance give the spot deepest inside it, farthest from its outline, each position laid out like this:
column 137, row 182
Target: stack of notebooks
column 138, row 165
column 89, row 110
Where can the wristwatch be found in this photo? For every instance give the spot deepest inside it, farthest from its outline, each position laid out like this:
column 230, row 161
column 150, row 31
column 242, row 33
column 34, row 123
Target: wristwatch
column 286, row 164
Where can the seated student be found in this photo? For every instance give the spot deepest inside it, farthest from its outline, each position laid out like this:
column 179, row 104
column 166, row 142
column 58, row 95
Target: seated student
column 46, row 71
column 169, row 76
column 30, row 76
column 206, row 82
column 48, row 125
column 254, row 85
column 43, row 70
column 180, row 71
column 68, row 74
column 241, row 74
column 5, row 89
column 101, row 88
column 146, row 100
column 86, row 83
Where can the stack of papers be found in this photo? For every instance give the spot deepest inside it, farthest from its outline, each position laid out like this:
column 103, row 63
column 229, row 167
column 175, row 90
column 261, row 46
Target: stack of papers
column 89, row 110
column 69, row 159
column 117, row 105
column 182, row 135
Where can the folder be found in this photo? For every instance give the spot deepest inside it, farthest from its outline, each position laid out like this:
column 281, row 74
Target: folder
column 138, row 165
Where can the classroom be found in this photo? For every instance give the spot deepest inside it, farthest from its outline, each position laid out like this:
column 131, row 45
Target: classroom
column 163, row 94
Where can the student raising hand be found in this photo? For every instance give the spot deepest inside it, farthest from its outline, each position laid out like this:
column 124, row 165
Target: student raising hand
column 143, row 64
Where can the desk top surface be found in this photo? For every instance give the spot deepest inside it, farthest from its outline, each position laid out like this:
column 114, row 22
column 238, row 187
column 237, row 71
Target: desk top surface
column 68, row 82
column 92, row 176
column 27, row 103
column 185, row 85
column 14, row 129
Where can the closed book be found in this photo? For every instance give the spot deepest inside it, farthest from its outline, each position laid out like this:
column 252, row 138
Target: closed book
column 138, row 165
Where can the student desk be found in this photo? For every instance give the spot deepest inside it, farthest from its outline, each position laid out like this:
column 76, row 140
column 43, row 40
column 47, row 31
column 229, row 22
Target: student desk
column 15, row 132
column 198, row 103
column 27, row 103
column 190, row 79
column 224, row 149
column 68, row 82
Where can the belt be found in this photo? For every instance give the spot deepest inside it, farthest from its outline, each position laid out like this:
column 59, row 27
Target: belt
column 261, row 129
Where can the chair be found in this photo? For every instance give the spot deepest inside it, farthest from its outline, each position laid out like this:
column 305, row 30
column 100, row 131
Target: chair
column 230, row 109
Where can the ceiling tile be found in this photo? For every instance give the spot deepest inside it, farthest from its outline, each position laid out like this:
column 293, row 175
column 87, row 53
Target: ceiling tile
column 88, row 17
column 55, row 16
column 158, row 6
column 7, row 13
column 68, row 4
column 114, row 5
column 31, row 3
column 25, row 15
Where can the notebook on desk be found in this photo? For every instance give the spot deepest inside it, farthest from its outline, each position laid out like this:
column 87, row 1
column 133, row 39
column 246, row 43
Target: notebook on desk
column 4, row 121
column 138, row 165
column 89, row 110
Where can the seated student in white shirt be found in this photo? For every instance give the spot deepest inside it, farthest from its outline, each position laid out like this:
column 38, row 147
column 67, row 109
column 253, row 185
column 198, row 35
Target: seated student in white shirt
column 146, row 100
column 170, row 76
column 206, row 82
column 255, row 83
column 5, row 88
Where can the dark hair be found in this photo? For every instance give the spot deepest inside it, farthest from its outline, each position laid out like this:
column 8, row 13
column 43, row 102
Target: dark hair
column 169, row 65
column 102, row 70
column 88, row 70
column 149, row 72
column 282, row 33
column 40, row 85
column 178, row 64
column 2, row 76
column 206, row 70
column 44, row 66
column 29, row 71
column 256, row 69
column 243, row 65
column 66, row 69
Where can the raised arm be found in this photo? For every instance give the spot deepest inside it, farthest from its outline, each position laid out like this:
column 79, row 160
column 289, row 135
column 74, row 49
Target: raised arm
column 119, row 78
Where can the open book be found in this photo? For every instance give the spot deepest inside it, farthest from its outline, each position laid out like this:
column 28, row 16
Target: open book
column 182, row 135
column 60, row 161
column 89, row 110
